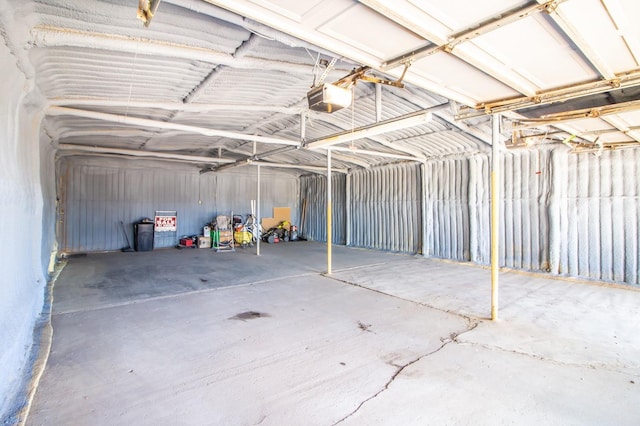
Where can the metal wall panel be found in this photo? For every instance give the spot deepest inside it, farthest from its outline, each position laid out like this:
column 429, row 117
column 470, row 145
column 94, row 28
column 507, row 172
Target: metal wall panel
column 570, row 214
column 524, row 193
column 313, row 193
column 384, row 208
column 600, row 232
column 447, row 206
column 97, row 195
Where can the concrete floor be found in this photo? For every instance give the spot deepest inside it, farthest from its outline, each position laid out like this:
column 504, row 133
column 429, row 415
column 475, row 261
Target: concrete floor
column 194, row 337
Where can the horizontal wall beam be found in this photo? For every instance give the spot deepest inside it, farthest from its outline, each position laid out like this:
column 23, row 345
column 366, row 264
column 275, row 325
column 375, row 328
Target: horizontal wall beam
column 358, row 151
column 398, row 123
column 145, row 122
column 297, row 166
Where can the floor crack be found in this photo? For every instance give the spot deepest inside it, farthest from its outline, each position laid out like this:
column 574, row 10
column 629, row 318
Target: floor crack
column 453, row 338
column 393, row 377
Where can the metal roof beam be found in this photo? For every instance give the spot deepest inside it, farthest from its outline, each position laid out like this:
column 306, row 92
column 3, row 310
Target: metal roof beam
column 596, row 112
column 398, row 123
column 466, row 35
column 297, row 166
column 621, row 81
column 145, row 122
column 358, row 151
column 48, row 36
column 138, row 153
column 171, row 106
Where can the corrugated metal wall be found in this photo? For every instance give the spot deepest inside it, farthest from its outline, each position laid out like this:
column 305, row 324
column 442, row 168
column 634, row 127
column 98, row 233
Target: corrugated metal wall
column 97, row 195
column 524, row 233
column 600, row 223
column 383, row 212
column 570, row 214
column 447, row 204
column 313, row 195
column 385, row 208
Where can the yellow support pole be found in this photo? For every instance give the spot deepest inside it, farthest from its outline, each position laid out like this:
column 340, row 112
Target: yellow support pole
column 495, row 214
column 329, row 230
column 329, row 237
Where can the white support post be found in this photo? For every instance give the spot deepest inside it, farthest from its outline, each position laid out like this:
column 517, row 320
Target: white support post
column 378, row 102
column 423, row 207
column 495, row 213
column 348, row 210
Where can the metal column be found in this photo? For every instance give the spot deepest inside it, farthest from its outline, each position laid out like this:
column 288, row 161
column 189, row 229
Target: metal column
column 495, row 213
column 329, row 230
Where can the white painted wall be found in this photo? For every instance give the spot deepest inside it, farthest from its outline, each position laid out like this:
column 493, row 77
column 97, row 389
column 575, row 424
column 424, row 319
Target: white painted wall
column 24, row 252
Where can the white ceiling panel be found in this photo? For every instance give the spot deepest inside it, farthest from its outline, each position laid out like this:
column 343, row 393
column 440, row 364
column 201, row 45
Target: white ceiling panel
column 456, row 75
column 366, row 30
column 535, row 49
column 460, row 15
column 597, row 128
column 593, row 25
column 294, row 10
column 625, row 14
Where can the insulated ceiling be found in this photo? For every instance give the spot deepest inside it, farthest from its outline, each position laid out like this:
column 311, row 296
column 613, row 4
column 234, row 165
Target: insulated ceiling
column 223, row 83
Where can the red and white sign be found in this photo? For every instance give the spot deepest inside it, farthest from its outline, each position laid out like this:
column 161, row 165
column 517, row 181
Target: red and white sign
column 166, row 224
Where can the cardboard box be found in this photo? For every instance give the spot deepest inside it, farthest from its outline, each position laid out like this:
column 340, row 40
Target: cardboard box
column 204, row 242
column 225, row 236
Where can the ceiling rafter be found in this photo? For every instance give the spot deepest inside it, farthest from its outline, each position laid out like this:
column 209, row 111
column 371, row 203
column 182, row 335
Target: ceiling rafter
column 171, row 106
column 595, row 112
column 50, row 36
column 72, row 148
column 145, row 122
column 620, row 81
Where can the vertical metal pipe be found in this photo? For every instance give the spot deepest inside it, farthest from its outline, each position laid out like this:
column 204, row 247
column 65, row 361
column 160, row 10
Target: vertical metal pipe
column 347, row 210
column 378, row 103
column 472, row 196
column 423, row 206
column 329, row 230
column 495, row 212
column 258, row 218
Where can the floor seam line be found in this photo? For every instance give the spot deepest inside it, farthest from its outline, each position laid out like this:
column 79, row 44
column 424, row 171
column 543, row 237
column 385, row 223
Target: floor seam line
column 170, row 296
column 549, row 360
column 471, row 320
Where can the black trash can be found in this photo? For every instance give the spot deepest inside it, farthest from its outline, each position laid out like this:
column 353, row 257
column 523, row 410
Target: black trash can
column 143, row 236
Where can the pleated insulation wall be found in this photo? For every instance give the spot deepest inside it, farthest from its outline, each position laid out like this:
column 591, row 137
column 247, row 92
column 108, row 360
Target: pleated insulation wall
column 574, row 214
